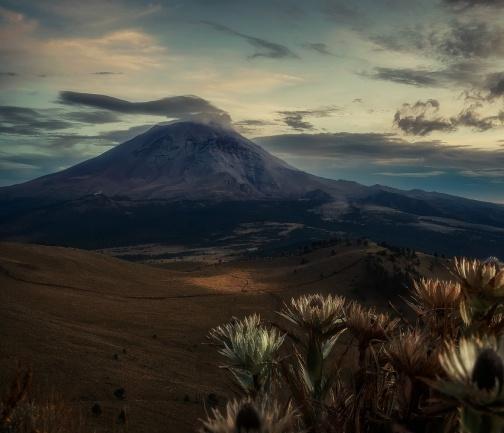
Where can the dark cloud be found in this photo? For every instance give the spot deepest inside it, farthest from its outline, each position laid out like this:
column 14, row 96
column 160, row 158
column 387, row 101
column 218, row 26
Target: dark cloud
column 107, row 73
column 179, row 107
column 121, row 135
column 382, row 149
column 480, row 90
column 106, row 138
column 495, row 85
column 95, row 117
column 471, row 119
column 296, row 119
column 319, row 47
column 404, row 40
column 25, row 161
column 253, row 122
column 28, row 121
column 423, row 117
column 420, row 77
column 469, row 40
column 248, row 126
column 459, row 40
column 465, row 74
column 18, row 168
column 462, row 5
column 69, row 141
column 264, row 48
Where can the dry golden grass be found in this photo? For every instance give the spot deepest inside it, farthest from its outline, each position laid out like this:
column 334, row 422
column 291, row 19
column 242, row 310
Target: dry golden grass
column 90, row 324
column 21, row 412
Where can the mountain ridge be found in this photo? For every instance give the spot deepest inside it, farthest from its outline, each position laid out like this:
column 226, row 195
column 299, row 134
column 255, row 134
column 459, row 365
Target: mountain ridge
column 194, row 182
column 182, row 160
column 168, row 150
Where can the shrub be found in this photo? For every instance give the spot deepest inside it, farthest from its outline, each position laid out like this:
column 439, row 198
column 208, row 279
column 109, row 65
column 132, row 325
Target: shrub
column 442, row 372
column 20, row 412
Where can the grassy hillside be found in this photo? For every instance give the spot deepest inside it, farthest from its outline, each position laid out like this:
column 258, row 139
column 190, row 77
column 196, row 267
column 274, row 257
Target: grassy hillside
column 90, row 324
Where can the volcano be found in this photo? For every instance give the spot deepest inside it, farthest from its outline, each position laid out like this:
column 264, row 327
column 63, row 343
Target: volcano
column 195, row 182
column 184, row 161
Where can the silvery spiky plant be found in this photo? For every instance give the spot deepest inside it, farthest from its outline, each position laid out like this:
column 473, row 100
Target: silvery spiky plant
column 248, row 416
column 437, row 305
column 316, row 313
column 368, row 326
column 475, row 377
column 413, row 356
column 424, row 376
column 430, row 295
column 482, row 284
column 319, row 321
column 412, row 353
column 252, row 351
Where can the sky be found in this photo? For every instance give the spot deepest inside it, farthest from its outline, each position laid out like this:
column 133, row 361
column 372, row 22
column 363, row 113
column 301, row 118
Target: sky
column 403, row 93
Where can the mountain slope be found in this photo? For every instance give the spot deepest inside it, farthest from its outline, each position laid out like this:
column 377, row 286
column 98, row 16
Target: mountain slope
column 183, row 161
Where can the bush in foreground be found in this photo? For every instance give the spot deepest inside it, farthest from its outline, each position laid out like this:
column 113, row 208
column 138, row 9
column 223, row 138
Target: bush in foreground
column 336, row 366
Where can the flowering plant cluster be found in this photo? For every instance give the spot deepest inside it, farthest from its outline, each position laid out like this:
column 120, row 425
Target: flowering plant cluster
column 334, row 365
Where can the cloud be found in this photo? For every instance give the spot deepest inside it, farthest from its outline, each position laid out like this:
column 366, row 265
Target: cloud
column 24, row 161
column 462, row 5
column 412, row 173
column 480, row 89
column 121, row 135
column 469, row 40
column 95, row 117
column 27, row 121
column 30, row 52
column 248, row 126
column 462, row 74
column 485, row 172
column 43, row 123
column 341, row 11
column 264, row 47
column 349, row 149
column 470, row 118
column 295, row 119
column 495, row 85
column 319, row 47
column 107, row 73
column 422, row 118
column 179, row 107
column 8, row 74
column 70, row 141
column 75, row 15
column 31, row 164
column 414, row 77
column 57, row 140
column 253, row 122
column 457, row 41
